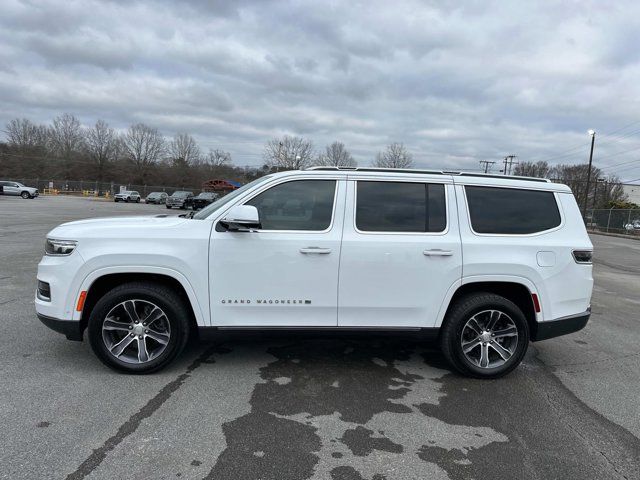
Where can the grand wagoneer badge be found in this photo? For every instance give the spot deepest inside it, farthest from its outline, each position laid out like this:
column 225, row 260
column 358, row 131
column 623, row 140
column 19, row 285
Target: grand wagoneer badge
column 246, row 301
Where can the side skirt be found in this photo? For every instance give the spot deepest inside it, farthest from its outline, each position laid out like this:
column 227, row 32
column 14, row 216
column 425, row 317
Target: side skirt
column 213, row 333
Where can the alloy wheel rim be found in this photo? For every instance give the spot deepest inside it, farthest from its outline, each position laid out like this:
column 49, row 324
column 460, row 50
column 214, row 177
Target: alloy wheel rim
column 136, row 331
column 489, row 339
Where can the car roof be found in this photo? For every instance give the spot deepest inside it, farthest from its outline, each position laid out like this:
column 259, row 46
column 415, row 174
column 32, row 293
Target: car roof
column 445, row 176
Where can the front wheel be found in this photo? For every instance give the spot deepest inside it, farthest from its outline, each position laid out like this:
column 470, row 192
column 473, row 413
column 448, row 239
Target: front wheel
column 169, row 207
column 137, row 200
column 138, row 327
column 25, row 195
column 484, row 335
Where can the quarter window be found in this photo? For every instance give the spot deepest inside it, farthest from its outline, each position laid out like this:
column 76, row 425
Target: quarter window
column 511, row 210
column 400, row 207
column 296, row 205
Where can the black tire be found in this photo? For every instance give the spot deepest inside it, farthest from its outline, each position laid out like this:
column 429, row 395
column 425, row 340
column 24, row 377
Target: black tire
column 173, row 306
column 451, row 334
column 169, row 207
column 138, row 200
column 25, row 195
column 126, row 200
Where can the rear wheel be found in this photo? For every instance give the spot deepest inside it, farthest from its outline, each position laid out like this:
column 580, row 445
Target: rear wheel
column 138, row 200
column 25, row 195
column 138, row 327
column 484, row 335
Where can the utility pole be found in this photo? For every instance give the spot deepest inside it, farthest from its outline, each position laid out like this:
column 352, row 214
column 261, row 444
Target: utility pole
column 586, row 193
column 487, row 165
column 508, row 162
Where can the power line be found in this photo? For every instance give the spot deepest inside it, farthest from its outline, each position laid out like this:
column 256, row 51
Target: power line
column 508, row 163
column 487, row 165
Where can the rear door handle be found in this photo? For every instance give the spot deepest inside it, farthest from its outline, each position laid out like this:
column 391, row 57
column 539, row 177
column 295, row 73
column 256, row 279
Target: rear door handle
column 437, row 252
column 317, row 250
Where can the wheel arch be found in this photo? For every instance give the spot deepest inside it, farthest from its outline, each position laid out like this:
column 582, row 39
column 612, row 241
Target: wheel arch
column 519, row 291
column 100, row 282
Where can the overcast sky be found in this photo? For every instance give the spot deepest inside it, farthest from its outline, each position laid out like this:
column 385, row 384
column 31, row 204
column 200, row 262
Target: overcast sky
column 456, row 84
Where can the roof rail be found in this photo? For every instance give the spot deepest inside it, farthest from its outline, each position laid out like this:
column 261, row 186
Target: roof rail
column 430, row 172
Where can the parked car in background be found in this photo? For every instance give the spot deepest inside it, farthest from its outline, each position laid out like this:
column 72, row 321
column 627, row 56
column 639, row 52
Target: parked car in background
column 127, row 196
column 181, row 199
column 481, row 263
column 159, row 198
column 634, row 226
column 203, row 199
column 18, row 189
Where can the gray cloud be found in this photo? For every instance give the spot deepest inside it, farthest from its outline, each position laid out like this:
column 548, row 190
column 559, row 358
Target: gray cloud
column 457, row 83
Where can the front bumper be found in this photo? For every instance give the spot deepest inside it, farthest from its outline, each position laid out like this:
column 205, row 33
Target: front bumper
column 70, row 328
column 560, row 326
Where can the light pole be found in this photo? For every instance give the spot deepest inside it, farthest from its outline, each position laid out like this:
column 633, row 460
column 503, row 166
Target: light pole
column 595, row 192
column 586, row 193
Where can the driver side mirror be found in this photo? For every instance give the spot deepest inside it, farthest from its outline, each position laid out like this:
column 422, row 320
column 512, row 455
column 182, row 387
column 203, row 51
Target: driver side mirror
column 241, row 218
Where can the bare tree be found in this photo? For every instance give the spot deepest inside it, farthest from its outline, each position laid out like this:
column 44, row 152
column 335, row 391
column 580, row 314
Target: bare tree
column 218, row 158
column 530, row 169
column 27, row 142
column 336, row 155
column 394, row 156
column 66, row 140
column 183, row 149
column 25, row 136
column 288, row 153
column 608, row 189
column 102, row 146
column 144, row 147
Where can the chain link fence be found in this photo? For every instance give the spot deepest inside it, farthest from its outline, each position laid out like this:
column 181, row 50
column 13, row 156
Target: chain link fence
column 614, row 220
column 95, row 188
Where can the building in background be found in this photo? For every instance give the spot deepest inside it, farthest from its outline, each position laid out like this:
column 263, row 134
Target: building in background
column 632, row 192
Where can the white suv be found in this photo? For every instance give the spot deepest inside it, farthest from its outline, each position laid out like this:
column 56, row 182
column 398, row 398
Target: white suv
column 482, row 263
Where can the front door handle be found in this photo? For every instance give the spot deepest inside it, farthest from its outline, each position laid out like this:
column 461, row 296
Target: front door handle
column 437, row 252
column 318, row 250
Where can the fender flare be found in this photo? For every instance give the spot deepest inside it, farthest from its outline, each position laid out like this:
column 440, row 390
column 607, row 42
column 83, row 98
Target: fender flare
column 524, row 281
column 90, row 278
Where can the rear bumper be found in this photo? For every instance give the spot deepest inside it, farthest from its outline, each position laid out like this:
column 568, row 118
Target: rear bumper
column 69, row 328
column 560, row 326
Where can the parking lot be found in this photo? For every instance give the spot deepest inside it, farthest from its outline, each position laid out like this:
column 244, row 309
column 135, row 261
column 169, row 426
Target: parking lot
column 285, row 406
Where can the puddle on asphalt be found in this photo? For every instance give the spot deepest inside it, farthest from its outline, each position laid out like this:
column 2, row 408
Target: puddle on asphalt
column 350, row 409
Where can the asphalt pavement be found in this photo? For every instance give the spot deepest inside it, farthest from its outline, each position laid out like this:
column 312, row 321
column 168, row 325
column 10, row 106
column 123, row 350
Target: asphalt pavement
column 284, row 406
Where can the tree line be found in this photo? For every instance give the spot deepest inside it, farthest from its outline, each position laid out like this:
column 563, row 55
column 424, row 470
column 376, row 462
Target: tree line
column 141, row 155
column 605, row 191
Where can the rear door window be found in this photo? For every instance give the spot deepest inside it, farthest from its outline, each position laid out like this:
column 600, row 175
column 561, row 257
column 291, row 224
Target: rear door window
column 400, row 207
column 511, row 210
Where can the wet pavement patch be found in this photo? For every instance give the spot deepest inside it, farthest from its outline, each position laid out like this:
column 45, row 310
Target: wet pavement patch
column 361, row 443
column 285, row 449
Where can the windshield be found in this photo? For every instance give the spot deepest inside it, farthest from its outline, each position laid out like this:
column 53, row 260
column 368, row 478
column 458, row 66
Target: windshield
column 181, row 194
column 205, row 212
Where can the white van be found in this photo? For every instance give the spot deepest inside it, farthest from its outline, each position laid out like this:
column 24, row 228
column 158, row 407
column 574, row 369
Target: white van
column 482, row 263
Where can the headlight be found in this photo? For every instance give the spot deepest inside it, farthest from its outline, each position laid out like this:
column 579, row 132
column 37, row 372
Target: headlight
column 59, row 247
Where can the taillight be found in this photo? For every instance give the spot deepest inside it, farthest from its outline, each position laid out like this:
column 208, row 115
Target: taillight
column 583, row 256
